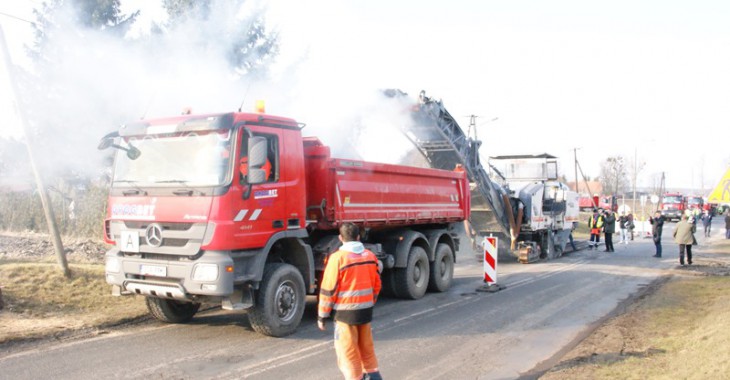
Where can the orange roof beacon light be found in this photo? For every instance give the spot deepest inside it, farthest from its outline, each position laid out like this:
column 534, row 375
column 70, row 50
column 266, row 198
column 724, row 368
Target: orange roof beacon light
column 260, row 106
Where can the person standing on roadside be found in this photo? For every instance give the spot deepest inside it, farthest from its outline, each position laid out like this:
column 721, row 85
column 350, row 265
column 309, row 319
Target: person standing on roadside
column 727, row 224
column 595, row 224
column 657, row 225
column 350, row 288
column 707, row 222
column 609, row 228
column 623, row 220
column 684, row 236
column 630, row 225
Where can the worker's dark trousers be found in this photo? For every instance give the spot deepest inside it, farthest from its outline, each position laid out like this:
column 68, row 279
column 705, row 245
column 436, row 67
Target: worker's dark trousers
column 682, row 248
column 609, row 242
column 658, row 245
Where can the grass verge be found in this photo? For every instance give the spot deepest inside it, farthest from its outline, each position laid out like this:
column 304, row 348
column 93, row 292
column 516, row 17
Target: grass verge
column 40, row 302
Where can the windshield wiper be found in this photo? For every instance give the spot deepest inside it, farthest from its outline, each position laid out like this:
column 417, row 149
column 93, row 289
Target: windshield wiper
column 136, row 191
column 187, row 191
column 180, row 181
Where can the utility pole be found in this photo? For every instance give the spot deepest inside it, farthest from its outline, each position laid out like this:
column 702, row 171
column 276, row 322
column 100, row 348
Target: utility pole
column 575, row 165
column 635, row 168
column 47, row 210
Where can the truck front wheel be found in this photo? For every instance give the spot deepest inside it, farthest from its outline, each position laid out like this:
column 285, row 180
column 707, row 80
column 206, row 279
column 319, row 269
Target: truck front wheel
column 171, row 311
column 279, row 301
column 442, row 269
column 411, row 282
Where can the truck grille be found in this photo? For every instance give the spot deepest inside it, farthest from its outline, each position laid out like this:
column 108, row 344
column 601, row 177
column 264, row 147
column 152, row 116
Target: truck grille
column 183, row 239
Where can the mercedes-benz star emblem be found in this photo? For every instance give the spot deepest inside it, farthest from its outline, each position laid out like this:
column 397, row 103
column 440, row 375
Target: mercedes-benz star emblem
column 153, row 235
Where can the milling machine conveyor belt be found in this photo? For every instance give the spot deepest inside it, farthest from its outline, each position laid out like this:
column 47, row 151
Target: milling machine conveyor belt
column 443, row 143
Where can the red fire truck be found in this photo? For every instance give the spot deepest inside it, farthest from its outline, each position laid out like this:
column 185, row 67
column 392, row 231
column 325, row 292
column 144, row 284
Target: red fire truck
column 239, row 209
column 673, row 206
column 695, row 202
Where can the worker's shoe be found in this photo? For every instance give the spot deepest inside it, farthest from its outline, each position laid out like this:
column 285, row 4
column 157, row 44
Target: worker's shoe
column 372, row 376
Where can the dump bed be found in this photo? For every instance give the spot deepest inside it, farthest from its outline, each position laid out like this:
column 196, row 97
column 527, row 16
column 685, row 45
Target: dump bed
column 379, row 195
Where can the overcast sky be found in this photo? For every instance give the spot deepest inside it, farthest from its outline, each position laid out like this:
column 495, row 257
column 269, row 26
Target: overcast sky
column 606, row 77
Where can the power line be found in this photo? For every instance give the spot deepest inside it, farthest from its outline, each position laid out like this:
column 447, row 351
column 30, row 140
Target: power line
column 15, row 17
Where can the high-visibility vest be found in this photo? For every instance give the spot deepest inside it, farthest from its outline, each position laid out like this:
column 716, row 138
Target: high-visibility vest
column 350, row 287
column 595, row 223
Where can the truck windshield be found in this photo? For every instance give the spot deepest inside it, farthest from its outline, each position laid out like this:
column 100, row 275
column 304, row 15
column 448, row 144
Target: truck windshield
column 694, row 201
column 674, row 199
column 199, row 158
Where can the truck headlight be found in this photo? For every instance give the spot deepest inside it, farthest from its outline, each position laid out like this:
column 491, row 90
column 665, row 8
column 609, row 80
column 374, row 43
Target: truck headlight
column 112, row 265
column 205, row 272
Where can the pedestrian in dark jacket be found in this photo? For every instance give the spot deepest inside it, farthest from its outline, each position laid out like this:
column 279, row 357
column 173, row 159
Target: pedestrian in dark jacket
column 657, row 224
column 609, row 228
column 684, row 236
column 727, row 225
column 623, row 222
column 707, row 222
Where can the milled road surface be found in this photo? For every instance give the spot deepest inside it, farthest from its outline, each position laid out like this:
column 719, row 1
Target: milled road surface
column 460, row 334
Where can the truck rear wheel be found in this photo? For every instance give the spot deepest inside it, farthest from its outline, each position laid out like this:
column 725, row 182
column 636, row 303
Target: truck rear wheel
column 442, row 269
column 171, row 311
column 412, row 281
column 279, row 301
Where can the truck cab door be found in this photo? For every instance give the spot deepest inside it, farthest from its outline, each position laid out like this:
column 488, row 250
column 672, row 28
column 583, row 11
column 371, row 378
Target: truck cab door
column 263, row 200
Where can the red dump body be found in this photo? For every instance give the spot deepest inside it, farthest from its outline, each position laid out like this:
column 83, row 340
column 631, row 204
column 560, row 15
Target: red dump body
column 378, row 195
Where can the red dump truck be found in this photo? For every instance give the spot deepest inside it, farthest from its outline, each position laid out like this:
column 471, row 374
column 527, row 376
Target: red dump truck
column 239, row 209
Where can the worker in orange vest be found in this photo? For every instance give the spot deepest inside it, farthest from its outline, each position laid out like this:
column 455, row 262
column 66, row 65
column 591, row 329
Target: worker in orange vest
column 349, row 290
column 595, row 224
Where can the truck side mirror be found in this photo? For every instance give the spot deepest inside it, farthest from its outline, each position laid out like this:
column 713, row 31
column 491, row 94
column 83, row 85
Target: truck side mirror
column 108, row 141
column 105, row 143
column 256, row 152
column 256, row 175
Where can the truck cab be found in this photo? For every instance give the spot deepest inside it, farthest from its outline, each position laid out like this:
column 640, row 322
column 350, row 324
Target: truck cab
column 673, row 205
column 695, row 202
column 196, row 204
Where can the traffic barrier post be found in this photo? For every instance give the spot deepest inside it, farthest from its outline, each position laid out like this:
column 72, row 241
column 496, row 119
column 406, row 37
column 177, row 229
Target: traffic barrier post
column 491, row 254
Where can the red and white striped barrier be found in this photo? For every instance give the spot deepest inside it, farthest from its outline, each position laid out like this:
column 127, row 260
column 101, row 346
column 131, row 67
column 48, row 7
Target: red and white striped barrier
column 490, row 260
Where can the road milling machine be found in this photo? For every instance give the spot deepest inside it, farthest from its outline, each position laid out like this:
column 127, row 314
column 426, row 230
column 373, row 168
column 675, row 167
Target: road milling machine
column 518, row 199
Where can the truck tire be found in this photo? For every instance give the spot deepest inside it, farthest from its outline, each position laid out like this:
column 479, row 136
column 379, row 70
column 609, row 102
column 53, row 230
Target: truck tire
column 171, row 311
column 442, row 269
column 411, row 282
column 279, row 301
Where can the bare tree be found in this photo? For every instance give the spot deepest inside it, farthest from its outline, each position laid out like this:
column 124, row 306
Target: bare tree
column 614, row 175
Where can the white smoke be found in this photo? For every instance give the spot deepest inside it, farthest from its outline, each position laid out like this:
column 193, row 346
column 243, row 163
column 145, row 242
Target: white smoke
column 97, row 81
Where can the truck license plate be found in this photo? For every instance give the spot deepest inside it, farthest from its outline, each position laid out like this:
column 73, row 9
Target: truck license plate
column 153, row 270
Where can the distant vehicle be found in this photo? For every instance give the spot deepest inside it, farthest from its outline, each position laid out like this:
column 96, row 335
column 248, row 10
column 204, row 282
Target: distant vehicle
column 673, row 205
column 695, row 202
column 605, row 202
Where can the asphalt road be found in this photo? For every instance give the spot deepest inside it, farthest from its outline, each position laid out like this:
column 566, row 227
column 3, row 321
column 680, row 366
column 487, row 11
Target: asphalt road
column 545, row 308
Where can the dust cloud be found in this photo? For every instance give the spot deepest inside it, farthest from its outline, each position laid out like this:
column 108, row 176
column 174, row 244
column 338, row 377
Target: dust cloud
column 98, row 81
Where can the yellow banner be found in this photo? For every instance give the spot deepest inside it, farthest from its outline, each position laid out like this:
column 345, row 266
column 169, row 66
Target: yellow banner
column 721, row 194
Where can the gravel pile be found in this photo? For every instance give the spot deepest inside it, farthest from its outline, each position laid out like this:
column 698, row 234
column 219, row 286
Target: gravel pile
column 38, row 247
